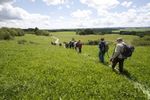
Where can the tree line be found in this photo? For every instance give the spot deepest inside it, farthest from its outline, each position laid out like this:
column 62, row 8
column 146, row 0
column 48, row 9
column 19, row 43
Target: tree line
column 110, row 31
column 10, row 33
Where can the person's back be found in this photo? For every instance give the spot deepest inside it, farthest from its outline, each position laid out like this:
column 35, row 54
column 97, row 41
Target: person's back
column 102, row 45
column 70, row 42
column 75, row 45
column 79, row 45
column 118, row 50
column 117, row 56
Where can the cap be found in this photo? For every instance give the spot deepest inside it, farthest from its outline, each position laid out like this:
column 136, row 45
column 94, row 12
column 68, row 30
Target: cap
column 119, row 39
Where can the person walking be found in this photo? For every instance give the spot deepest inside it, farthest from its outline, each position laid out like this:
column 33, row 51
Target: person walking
column 102, row 47
column 117, row 56
column 79, row 46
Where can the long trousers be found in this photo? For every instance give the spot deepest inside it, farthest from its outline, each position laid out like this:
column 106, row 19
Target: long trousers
column 101, row 56
column 120, row 61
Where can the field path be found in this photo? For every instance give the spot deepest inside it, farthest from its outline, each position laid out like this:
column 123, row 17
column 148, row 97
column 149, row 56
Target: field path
column 56, row 39
column 139, row 86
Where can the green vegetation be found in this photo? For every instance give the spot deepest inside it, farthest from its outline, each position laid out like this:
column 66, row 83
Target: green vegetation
column 145, row 41
column 41, row 32
column 135, row 29
column 31, row 68
column 37, row 31
column 122, row 31
column 85, row 32
column 10, row 33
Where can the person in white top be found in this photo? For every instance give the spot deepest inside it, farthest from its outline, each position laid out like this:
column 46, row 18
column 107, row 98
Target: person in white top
column 117, row 56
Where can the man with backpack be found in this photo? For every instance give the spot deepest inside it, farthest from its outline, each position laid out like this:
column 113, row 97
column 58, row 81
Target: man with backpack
column 102, row 49
column 121, row 52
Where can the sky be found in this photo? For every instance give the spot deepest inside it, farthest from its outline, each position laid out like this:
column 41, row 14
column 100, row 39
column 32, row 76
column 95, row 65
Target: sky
column 66, row 14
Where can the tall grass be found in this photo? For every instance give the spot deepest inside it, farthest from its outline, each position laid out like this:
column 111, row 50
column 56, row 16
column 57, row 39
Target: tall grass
column 145, row 41
column 44, row 71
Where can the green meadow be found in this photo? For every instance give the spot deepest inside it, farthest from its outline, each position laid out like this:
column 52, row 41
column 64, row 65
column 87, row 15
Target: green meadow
column 37, row 70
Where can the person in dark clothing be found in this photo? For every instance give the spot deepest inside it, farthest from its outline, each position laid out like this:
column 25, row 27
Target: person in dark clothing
column 117, row 56
column 102, row 45
column 79, row 46
column 71, row 43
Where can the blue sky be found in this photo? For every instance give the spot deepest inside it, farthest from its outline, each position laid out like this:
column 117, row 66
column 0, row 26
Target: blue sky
column 56, row 14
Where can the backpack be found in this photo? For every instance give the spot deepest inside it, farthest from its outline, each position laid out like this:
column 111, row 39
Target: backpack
column 127, row 50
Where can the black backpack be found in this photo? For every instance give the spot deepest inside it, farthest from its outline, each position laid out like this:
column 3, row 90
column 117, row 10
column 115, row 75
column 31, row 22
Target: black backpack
column 127, row 50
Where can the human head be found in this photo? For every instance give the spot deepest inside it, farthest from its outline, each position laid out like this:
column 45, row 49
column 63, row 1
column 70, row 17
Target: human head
column 102, row 39
column 119, row 40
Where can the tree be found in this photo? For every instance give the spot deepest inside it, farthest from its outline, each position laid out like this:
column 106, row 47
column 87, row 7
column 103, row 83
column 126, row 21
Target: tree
column 85, row 32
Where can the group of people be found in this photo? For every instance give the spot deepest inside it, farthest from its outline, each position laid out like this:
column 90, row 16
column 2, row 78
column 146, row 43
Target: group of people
column 121, row 52
column 73, row 44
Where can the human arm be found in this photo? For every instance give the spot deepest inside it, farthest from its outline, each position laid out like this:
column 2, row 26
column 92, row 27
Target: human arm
column 116, row 53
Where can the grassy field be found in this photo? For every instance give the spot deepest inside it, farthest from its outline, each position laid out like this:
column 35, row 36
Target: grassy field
column 37, row 70
column 67, row 36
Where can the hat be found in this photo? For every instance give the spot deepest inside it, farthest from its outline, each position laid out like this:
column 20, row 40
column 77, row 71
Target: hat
column 119, row 39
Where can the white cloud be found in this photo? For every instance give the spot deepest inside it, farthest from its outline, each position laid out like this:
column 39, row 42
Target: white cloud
column 6, row 1
column 68, row 6
column 61, row 17
column 130, row 18
column 55, row 2
column 81, row 14
column 32, row 0
column 60, row 7
column 126, row 4
column 11, row 16
column 101, row 4
column 72, row 2
column 8, row 12
column 137, row 16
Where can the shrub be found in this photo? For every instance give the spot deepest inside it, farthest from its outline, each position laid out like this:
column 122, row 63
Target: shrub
column 10, row 33
column 85, row 32
column 93, row 42
column 36, row 31
column 22, row 41
column 31, row 42
column 5, row 35
column 41, row 32
column 145, row 41
column 19, row 32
